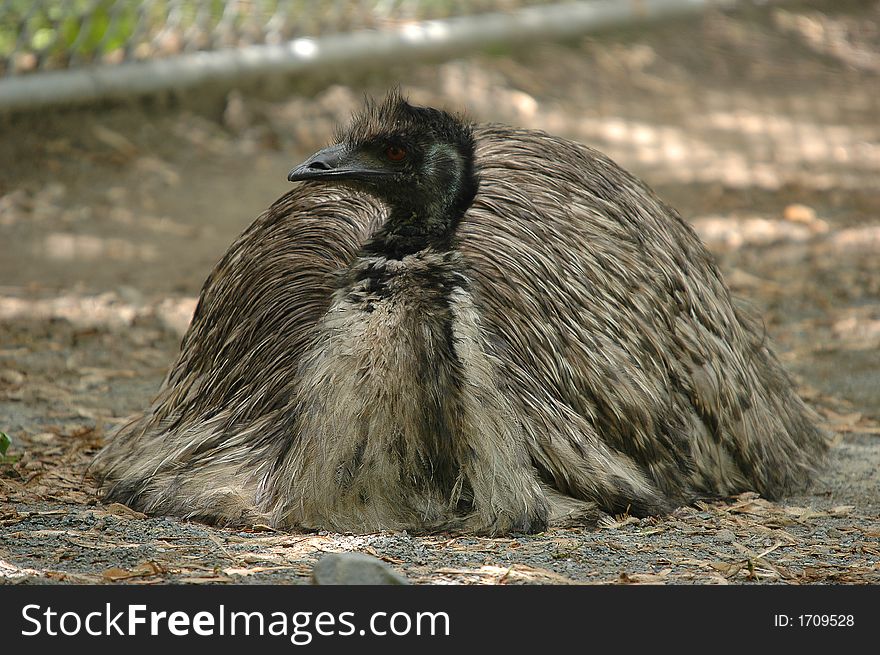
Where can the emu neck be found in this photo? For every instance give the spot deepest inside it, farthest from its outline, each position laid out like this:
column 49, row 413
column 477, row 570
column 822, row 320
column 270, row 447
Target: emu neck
column 410, row 229
column 427, row 214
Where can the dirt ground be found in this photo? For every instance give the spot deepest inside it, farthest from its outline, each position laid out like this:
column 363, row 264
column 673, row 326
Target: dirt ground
column 762, row 129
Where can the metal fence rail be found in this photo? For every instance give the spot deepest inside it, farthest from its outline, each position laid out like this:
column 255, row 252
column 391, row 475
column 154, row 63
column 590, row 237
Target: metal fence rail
column 53, row 34
column 53, row 52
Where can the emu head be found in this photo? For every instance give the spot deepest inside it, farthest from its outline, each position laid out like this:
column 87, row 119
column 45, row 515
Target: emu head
column 418, row 160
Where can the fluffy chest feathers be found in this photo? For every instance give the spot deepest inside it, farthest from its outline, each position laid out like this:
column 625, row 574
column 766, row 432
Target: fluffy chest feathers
column 381, row 390
column 398, row 325
column 400, row 421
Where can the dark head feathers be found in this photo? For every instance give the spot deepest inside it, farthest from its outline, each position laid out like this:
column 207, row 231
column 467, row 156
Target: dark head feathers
column 394, row 119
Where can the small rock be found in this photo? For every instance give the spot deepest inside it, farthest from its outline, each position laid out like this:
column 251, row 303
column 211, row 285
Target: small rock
column 44, row 438
column 354, row 569
column 11, row 377
column 799, row 213
column 725, row 536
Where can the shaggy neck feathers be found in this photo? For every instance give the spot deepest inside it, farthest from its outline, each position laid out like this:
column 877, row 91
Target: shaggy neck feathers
column 427, row 215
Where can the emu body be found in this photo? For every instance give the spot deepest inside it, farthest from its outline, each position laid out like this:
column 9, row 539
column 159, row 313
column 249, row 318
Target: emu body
column 459, row 357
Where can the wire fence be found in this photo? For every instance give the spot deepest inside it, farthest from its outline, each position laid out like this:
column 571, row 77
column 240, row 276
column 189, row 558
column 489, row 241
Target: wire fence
column 769, row 94
column 83, row 50
column 52, row 34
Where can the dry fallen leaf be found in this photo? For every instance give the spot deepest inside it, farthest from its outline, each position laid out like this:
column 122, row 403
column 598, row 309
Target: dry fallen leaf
column 644, row 578
column 758, row 507
column 118, row 509
column 206, row 579
column 728, row 569
column 613, row 523
column 516, row 573
column 143, row 570
column 387, row 558
column 234, row 570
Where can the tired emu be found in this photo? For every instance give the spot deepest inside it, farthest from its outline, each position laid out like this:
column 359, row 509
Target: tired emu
column 457, row 327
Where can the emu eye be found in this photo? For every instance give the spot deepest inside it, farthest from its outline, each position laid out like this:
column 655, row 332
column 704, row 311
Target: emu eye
column 395, row 153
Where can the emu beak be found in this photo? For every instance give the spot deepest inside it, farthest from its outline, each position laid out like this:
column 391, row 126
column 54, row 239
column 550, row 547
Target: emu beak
column 334, row 162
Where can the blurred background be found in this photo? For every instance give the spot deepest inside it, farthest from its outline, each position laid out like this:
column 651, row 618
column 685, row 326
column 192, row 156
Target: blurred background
column 138, row 139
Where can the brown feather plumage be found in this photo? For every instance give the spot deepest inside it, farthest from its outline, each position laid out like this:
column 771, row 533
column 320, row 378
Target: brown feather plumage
column 597, row 360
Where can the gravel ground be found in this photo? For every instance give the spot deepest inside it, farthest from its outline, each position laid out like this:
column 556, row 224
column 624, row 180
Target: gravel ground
column 111, row 219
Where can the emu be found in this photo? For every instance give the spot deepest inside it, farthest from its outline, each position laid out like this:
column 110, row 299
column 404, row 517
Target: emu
column 462, row 327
